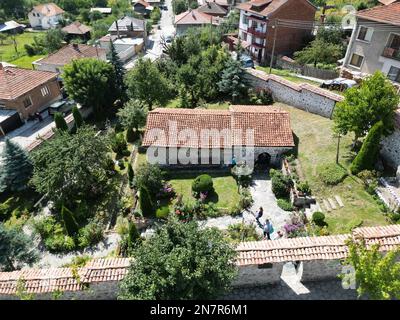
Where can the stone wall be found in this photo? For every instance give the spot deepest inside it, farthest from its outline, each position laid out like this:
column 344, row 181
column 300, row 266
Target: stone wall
column 320, row 270
column 391, row 149
column 303, row 96
column 252, row 276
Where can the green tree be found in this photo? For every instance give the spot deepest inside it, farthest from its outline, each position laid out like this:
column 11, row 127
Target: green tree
column 91, row 83
column 61, row 124
column 232, row 81
column 319, row 51
column 131, row 175
column 366, row 158
column 374, row 100
column 3, row 37
column 377, row 275
column 13, row 8
column 53, row 40
column 69, row 167
column 175, row 264
column 16, row 249
column 78, row 120
column 149, row 176
column 16, row 167
column 146, row 202
column 147, row 84
column 119, row 71
column 132, row 116
column 179, row 6
column 70, row 224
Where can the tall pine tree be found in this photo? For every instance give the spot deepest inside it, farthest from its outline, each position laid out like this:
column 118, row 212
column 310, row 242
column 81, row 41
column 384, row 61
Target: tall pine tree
column 16, row 168
column 119, row 72
column 61, row 124
column 232, row 80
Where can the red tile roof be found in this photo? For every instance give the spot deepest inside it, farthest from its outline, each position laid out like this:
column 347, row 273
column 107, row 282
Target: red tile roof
column 68, row 53
column 77, row 28
column 266, row 7
column 195, row 17
column 271, row 126
column 15, row 82
column 389, row 14
column 49, row 9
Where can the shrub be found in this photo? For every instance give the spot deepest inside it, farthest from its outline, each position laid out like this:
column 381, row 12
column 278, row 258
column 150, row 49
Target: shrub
column 366, row 158
column 149, row 176
column 162, row 213
column 281, row 184
column 131, row 175
column 118, row 144
column 130, row 135
column 59, row 243
column 202, row 183
column 304, row 187
column 146, row 203
column 246, row 199
column 332, row 174
column 242, row 232
column 60, row 122
column 6, row 208
column 91, row 234
column 318, row 218
column 70, row 224
column 285, row 205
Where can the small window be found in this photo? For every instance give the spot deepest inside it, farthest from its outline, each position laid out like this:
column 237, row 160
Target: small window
column 265, row 266
column 27, row 102
column 365, row 34
column 45, row 91
column 244, row 36
column 356, row 60
column 394, row 74
column 245, row 20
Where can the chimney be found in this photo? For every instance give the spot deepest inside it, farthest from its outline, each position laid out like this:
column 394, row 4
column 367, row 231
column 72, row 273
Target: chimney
column 75, row 46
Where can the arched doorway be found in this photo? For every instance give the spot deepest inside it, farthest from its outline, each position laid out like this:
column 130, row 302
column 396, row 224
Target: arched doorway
column 264, row 160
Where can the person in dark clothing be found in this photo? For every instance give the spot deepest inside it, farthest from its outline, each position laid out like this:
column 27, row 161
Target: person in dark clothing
column 260, row 213
column 268, row 229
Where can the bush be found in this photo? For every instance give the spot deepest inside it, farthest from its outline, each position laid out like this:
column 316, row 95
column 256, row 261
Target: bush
column 130, row 135
column 202, row 183
column 162, row 213
column 149, row 176
column 246, row 199
column 131, row 175
column 366, row 158
column 91, row 234
column 70, row 224
column 242, row 232
column 318, row 218
column 281, row 184
column 285, row 205
column 118, row 144
column 332, row 174
column 304, row 187
column 59, row 243
column 146, row 203
column 260, row 97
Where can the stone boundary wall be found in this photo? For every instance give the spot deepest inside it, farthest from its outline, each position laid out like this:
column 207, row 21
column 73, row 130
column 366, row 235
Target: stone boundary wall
column 303, row 96
column 391, row 145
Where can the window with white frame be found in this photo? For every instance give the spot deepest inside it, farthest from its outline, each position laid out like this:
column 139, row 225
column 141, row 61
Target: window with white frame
column 356, row 60
column 365, row 34
column 394, row 74
column 245, row 20
column 27, row 102
column 45, row 91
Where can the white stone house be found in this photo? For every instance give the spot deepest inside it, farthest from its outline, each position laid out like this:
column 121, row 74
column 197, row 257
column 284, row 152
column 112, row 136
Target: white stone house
column 201, row 137
column 45, row 16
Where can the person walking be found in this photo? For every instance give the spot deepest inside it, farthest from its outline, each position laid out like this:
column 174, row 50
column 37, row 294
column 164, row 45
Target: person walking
column 268, row 230
column 260, row 213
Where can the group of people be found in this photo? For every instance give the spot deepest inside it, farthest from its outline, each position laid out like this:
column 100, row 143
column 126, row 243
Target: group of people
column 268, row 229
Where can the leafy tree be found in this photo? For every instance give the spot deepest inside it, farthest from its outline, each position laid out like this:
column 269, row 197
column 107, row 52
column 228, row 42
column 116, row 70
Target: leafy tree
column 16, row 168
column 16, row 249
column 377, row 275
column 149, row 176
column 366, row 158
column 131, row 175
column 179, row 6
column 155, row 15
column 13, row 8
column 132, row 115
column 70, row 224
column 119, row 71
column 91, row 82
column 3, row 37
column 374, row 100
column 147, row 84
column 54, row 40
column 175, row 264
column 61, row 124
column 69, row 167
column 333, row 35
column 319, row 51
column 233, row 82
column 146, row 202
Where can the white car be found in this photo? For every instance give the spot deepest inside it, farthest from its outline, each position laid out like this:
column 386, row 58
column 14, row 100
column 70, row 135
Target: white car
column 340, row 84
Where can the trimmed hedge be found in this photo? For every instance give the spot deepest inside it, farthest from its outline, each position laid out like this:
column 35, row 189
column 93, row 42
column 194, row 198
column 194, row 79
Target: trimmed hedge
column 281, row 184
column 162, row 213
column 366, row 158
column 332, row 174
column 202, row 183
column 318, row 218
column 285, row 205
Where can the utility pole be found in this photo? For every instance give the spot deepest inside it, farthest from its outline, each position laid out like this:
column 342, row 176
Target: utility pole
column 337, row 149
column 275, row 26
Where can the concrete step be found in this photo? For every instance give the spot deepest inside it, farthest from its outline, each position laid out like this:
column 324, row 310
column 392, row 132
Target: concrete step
column 339, row 200
column 326, row 205
column 332, row 203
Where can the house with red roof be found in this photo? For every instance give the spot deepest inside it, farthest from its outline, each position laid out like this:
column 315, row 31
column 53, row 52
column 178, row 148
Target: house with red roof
column 45, row 16
column 77, row 30
column 375, row 42
column 27, row 91
column 194, row 19
column 181, row 137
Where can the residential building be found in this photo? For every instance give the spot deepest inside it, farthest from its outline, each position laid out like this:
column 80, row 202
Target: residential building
column 128, row 27
column 142, row 7
column 45, row 16
column 77, row 30
column 194, row 19
column 387, row 2
column 213, row 9
column 213, row 137
column 126, row 48
column 256, row 26
column 27, row 91
column 375, row 43
column 153, row 3
column 56, row 61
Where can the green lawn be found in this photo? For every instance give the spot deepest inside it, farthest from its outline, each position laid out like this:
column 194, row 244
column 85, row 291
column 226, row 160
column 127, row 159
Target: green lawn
column 218, row 105
column 225, row 186
column 20, row 58
column 317, row 147
column 287, row 75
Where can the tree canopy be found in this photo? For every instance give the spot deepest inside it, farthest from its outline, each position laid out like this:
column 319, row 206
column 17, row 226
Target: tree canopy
column 319, row 51
column 232, row 80
column 132, row 115
column 175, row 264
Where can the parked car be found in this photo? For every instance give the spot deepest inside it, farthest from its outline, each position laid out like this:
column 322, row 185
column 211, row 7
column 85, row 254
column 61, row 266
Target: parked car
column 63, row 106
column 168, row 39
column 340, row 84
column 247, row 61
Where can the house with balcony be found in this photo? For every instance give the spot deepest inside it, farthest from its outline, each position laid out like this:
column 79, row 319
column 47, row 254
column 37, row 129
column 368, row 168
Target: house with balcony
column 375, row 43
column 257, row 23
column 45, row 16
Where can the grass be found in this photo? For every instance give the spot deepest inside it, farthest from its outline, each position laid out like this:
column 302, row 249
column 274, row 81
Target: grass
column 217, row 105
column 21, row 59
column 287, row 75
column 317, row 147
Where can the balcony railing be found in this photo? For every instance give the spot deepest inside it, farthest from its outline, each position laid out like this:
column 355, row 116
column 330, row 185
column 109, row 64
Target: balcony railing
column 258, row 33
column 258, row 45
column 391, row 53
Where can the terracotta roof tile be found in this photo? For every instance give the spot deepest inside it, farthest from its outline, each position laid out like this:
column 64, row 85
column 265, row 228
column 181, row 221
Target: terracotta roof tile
column 15, row 82
column 389, row 14
column 77, row 28
column 49, row 9
column 195, row 17
column 264, row 7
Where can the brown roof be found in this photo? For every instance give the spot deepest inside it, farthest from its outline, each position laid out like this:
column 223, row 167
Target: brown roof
column 314, row 248
column 389, row 14
column 195, row 17
column 142, row 2
column 15, row 82
column 77, row 28
column 49, row 9
column 212, row 8
column 64, row 279
column 386, row 2
column 266, row 7
column 70, row 52
column 271, row 126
